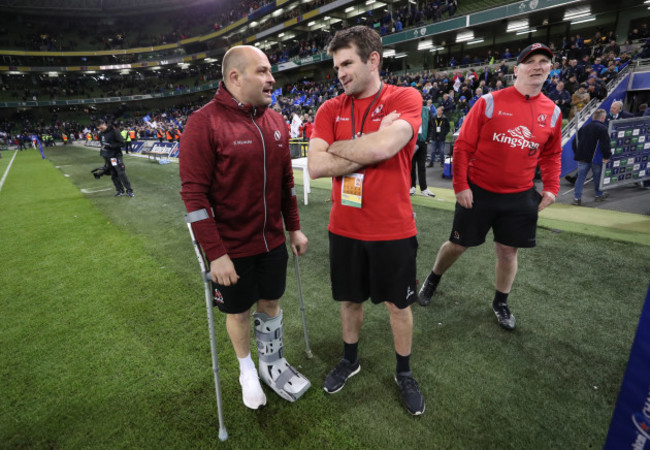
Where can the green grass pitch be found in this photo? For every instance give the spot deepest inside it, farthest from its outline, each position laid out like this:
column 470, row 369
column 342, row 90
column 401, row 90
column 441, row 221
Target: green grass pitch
column 104, row 342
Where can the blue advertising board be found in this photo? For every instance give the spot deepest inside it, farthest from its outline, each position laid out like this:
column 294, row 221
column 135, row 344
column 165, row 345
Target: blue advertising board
column 630, row 145
column 630, row 427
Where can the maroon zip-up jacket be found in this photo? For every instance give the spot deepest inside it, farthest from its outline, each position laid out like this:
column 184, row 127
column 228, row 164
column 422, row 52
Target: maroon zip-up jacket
column 235, row 160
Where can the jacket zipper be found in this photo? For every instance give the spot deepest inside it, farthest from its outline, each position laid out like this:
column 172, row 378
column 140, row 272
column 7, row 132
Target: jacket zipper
column 264, row 190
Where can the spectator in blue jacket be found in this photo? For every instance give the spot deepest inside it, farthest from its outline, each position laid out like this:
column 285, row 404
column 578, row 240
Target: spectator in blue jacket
column 562, row 98
column 590, row 137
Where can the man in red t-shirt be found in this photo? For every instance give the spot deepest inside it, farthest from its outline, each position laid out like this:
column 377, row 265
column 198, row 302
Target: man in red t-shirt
column 505, row 136
column 365, row 139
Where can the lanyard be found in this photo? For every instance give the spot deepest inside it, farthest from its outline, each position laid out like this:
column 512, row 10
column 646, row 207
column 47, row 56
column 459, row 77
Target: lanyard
column 363, row 121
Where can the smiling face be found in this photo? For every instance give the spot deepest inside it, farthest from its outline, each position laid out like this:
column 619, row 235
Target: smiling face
column 359, row 79
column 532, row 73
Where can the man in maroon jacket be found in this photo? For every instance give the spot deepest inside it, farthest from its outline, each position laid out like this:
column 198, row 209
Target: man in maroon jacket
column 235, row 164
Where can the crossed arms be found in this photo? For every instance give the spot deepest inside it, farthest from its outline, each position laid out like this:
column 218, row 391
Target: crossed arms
column 346, row 156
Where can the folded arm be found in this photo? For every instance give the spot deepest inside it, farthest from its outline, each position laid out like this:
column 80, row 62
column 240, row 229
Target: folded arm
column 376, row 147
column 324, row 164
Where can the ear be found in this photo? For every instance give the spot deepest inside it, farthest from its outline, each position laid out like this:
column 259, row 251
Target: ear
column 374, row 60
column 515, row 70
column 234, row 77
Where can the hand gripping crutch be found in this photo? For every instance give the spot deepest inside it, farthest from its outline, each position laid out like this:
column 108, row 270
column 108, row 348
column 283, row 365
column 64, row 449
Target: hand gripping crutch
column 209, row 303
column 302, row 308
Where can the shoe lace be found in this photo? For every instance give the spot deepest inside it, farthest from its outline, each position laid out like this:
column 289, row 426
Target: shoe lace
column 408, row 384
column 342, row 371
column 503, row 311
column 427, row 289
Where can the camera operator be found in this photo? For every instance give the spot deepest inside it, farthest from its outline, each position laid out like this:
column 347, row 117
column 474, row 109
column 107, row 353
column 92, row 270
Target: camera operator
column 112, row 143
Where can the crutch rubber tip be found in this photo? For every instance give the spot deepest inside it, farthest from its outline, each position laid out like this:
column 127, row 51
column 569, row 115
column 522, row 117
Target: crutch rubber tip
column 223, row 435
column 310, row 355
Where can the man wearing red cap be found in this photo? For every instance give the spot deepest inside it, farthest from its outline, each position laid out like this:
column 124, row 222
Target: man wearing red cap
column 505, row 136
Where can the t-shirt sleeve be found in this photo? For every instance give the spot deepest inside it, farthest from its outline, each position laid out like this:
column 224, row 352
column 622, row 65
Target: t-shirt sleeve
column 408, row 103
column 324, row 123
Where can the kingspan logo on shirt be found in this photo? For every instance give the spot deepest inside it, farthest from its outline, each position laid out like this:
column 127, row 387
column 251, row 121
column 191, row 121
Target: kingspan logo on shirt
column 519, row 137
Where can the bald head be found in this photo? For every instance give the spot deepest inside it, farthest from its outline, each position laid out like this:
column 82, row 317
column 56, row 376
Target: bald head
column 247, row 75
column 239, row 58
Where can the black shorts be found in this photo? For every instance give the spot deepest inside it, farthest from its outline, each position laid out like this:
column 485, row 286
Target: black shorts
column 262, row 276
column 512, row 217
column 382, row 270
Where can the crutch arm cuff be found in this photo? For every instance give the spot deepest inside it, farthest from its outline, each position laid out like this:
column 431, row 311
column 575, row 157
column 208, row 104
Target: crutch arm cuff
column 195, row 216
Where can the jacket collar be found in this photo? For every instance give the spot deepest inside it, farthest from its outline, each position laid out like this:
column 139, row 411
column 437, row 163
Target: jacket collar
column 225, row 98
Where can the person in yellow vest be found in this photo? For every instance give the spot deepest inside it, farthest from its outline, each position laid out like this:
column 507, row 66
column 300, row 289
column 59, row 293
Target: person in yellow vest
column 127, row 140
column 89, row 137
column 65, row 139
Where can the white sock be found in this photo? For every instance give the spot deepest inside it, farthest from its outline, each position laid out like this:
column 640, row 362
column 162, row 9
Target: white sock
column 246, row 364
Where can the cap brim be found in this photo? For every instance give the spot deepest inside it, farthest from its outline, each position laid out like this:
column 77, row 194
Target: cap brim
column 537, row 50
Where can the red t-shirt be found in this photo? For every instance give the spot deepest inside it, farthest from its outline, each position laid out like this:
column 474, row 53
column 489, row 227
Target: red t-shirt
column 386, row 212
column 503, row 139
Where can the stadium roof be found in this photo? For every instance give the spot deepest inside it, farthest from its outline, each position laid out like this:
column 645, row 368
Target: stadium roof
column 98, row 7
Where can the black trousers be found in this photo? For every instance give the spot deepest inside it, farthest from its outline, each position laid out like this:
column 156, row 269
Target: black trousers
column 118, row 173
column 419, row 160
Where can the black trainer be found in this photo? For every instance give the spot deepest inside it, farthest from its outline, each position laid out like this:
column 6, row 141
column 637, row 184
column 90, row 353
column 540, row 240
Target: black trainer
column 118, row 194
column 130, row 194
column 337, row 377
column 411, row 396
column 504, row 316
column 426, row 291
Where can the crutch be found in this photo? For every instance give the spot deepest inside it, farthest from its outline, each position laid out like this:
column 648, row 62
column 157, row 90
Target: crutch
column 302, row 308
column 209, row 303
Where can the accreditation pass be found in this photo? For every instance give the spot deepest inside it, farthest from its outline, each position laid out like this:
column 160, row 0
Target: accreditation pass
column 352, row 190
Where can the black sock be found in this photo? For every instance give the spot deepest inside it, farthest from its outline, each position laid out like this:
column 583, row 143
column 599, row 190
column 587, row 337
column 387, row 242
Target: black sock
column 434, row 279
column 402, row 363
column 500, row 297
column 350, row 351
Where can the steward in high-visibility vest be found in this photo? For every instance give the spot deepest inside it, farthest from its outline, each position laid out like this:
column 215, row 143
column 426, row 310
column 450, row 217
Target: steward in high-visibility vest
column 133, row 135
column 65, row 138
column 159, row 135
column 170, row 136
column 127, row 140
column 177, row 134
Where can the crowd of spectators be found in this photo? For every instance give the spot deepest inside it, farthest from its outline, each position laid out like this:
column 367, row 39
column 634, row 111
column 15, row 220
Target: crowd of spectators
column 581, row 70
column 39, row 86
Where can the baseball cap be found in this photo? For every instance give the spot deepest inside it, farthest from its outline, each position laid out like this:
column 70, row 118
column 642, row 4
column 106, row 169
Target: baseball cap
column 534, row 48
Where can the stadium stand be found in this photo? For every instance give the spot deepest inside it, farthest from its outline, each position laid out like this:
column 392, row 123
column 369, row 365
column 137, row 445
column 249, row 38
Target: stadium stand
column 132, row 65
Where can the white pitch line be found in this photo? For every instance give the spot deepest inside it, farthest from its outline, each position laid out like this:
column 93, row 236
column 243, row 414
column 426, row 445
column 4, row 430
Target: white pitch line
column 92, row 191
column 2, row 182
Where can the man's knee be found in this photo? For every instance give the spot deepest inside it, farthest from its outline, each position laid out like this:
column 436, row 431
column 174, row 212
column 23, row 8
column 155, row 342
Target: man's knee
column 454, row 248
column 239, row 319
column 269, row 307
column 505, row 252
column 398, row 313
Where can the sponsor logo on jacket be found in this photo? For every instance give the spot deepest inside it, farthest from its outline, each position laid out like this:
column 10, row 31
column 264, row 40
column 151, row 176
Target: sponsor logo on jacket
column 520, row 137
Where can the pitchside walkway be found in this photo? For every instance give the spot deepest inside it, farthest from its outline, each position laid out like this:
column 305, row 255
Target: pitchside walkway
column 624, row 216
